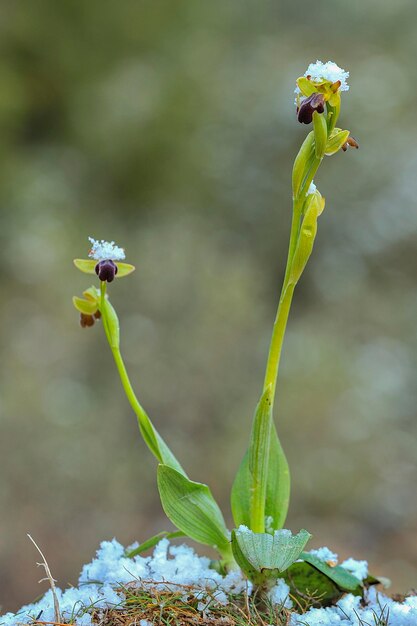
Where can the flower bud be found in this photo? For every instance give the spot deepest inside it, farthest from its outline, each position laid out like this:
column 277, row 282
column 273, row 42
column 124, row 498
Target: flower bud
column 320, row 134
column 305, row 111
column 106, row 270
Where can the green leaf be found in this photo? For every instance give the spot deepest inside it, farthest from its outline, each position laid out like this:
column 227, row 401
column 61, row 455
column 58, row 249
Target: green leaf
column 261, row 555
column 259, row 447
column 320, row 133
column 341, row 577
column 86, row 265
column 88, row 307
column 152, row 541
column 156, row 444
column 277, row 487
column 192, row 509
column 124, row 269
column 305, row 581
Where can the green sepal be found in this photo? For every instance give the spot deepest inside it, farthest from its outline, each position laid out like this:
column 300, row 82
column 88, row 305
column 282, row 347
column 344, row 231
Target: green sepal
column 152, row 541
column 301, row 163
column 334, row 101
column 86, row 265
column 277, row 487
column 306, row 237
column 320, row 133
column 262, row 556
column 192, row 509
column 306, row 86
column 336, row 140
column 124, row 269
column 88, row 307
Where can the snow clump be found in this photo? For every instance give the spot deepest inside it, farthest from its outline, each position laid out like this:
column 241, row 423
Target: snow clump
column 175, row 568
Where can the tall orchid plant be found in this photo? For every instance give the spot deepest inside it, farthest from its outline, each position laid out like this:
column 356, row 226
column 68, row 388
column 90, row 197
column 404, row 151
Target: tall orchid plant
column 261, row 489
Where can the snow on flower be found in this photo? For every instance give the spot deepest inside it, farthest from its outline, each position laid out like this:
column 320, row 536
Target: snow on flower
column 330, row 71
column 105, row 250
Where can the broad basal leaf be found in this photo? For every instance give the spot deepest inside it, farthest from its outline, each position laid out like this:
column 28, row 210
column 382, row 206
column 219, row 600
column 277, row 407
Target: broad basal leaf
column 277, row 488
column 192, row 508
column 341, row 577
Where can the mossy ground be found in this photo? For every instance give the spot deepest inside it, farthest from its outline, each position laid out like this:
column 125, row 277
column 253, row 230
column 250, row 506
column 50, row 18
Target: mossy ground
column 183, row 608
column 171, row 609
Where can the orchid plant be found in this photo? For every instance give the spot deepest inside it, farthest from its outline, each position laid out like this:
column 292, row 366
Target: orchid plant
column 260, row 494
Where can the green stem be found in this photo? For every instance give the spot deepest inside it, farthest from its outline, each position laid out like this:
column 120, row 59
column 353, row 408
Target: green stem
column 121, row 368
column 103, row 289
column 284, row 306
column 127, row 385
column 152, row 438
column 277, row 339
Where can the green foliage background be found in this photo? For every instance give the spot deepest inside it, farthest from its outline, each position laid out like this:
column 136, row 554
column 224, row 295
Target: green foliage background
column 169, row 126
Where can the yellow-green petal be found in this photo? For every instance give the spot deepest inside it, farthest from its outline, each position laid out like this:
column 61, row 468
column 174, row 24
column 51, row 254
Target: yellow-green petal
column 86, row 265
column 124, row 269
column 92, row 294
column 84, row 306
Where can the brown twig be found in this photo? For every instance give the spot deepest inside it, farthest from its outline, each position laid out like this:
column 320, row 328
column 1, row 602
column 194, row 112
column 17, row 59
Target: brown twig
column 58, row 619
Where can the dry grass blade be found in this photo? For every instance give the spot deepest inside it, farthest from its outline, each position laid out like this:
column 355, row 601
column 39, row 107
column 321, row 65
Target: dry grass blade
column 51, row 581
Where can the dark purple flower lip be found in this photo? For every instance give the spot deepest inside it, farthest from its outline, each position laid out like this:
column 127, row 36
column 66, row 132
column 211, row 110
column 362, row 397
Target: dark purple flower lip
column 106, row 270
column 305, row 111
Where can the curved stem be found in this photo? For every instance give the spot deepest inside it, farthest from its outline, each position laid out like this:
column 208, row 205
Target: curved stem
column 127, row 385
column 121, row 368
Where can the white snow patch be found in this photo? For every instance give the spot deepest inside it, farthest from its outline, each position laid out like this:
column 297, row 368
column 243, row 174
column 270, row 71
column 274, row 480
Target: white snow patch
column 179, row 567
column 357, row 568
column 324, row 554
column 280, row 594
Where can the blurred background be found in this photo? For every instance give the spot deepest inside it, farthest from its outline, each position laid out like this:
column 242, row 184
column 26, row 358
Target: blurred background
column 169, row 126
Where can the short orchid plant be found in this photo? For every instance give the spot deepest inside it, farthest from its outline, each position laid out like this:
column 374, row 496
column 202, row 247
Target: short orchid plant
column 260, row 494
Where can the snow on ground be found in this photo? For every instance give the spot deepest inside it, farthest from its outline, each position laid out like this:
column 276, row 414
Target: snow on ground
column 175, row 567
